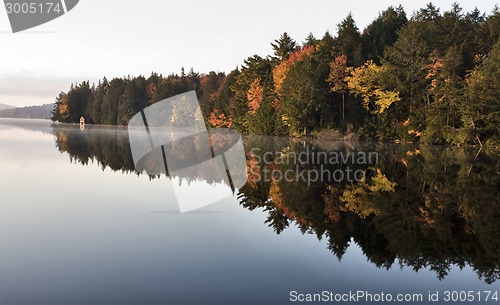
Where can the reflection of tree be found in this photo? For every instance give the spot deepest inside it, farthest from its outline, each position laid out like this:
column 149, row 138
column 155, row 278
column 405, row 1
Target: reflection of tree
column 255, row 193
column 109, row 147
column 422, row 207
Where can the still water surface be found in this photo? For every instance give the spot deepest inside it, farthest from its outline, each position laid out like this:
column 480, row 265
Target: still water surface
column 78, row 225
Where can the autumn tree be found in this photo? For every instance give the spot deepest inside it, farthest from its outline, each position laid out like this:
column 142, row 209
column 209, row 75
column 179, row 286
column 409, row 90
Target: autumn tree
column 430, row 78
column 59, row 113
column 252, row 68
column 281, row 70
column 365, row 82
column 337, row 78
column 209, row 91
column 262, row 116
column 446, row 89
column 152, row 88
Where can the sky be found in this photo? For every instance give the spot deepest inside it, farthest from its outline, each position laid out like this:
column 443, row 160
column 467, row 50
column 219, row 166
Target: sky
column 116, row 38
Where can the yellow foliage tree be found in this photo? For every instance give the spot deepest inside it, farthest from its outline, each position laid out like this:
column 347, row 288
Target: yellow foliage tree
column 63, row 107
column 364, row 81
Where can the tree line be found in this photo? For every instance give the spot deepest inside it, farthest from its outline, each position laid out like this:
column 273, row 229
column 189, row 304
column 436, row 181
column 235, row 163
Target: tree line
column 431, row 78
column 28, row 112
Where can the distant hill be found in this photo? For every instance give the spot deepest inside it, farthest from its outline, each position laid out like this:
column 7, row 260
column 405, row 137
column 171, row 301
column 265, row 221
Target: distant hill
column 29, row 112
column 3, row 107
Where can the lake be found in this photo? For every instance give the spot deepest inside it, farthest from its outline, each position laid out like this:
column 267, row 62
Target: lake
column 79, row 224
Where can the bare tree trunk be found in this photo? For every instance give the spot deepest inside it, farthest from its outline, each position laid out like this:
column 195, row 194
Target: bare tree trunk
column 343, row 107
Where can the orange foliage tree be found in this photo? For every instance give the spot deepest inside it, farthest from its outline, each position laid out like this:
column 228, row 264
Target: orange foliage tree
column 219, row 120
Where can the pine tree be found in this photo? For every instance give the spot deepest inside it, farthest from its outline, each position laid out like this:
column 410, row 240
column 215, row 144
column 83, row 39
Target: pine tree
column 446, row 89
column 310, row 40
column 225, row 94
column 299, row 106
column 481, row 111
column 405, row 61
column 348, row 41
column 111, row 101
column 283, row 47
column 209, row 90
column 134, row 99
column 262, row 118
column 429, row 13
column 382, row 32
column 253, row 67
column 94, row 110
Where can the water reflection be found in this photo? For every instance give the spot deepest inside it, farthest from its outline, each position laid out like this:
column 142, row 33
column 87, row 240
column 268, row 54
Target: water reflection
column 109, row 147
column 417, row 207
column 420, row 207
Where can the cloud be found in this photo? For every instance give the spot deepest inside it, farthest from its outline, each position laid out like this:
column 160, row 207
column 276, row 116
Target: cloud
column 25, row 84
column 26, row 88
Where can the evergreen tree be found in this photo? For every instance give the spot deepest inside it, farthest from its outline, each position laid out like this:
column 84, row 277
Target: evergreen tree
column 489, row 31
column 134, row 99
column 382, row 32
column 324, row 53
column 446, row 89
column 310, row 40
column 405, row 61
column 481, row 111
column 152, row 88
column 263, row 119
column 58, row 111
column 299, row 108
column 94, row 109
column 225, row 94
column 429, row 13
column 111, row 101
column 209, row 89
column 283, row 47
column 348, row 41
column 254, row 67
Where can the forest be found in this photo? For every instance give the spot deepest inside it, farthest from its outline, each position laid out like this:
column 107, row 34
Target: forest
column 429, row 77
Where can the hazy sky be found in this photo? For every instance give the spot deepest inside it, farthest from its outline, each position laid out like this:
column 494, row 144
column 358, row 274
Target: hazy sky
column 116, row 38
